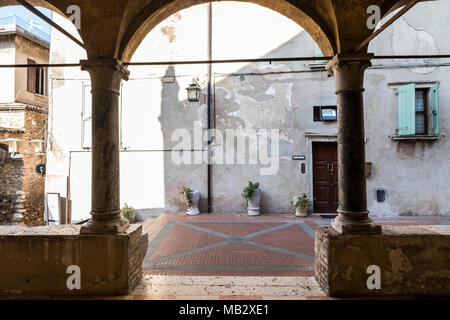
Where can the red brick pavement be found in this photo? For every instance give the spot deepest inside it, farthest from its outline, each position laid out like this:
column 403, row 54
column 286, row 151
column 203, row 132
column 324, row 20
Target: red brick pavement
column 223, row 244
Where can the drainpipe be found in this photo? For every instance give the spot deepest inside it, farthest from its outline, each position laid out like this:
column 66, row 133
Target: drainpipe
column 209, row 103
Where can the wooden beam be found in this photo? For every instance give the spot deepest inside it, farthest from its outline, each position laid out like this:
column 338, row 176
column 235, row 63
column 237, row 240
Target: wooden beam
column 405, row 9
column 29, row 7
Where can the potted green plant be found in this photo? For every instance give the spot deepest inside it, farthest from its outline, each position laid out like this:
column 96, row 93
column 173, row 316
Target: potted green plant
column 191, row 198
column 252, row 194
column 301, row 205
column 128, row 213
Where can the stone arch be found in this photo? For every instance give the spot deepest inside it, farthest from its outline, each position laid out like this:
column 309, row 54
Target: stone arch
column 155, row 12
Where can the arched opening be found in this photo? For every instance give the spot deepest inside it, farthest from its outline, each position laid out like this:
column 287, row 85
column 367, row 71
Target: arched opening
column 154, row 105
column 155, row 13
column 245, row 86
column 24, row 101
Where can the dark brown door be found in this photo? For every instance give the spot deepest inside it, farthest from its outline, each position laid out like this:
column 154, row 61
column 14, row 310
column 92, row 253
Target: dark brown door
column 325, row 177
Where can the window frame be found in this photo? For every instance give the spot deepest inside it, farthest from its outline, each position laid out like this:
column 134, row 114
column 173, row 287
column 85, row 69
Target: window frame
column 317, row 113
column 86, row 120
column 36, row 79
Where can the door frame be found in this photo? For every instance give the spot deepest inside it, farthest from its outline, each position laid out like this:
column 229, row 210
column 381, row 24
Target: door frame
column 310, row 139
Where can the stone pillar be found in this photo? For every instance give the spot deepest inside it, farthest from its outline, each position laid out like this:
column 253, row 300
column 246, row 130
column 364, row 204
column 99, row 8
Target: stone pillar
column 106, row 77
column 348, row 70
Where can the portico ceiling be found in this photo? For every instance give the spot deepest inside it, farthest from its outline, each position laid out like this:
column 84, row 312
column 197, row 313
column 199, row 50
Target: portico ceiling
column 114, row 29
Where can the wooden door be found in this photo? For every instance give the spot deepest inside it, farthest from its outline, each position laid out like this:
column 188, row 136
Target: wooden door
column 325, row 177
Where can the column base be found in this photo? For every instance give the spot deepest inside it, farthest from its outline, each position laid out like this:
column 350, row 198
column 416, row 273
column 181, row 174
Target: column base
column 412, row 262
column 105, row 227
column 35, row 262
column 359, row 223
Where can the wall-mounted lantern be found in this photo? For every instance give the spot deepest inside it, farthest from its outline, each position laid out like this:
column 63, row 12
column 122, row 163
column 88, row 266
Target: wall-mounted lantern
column 194, row 91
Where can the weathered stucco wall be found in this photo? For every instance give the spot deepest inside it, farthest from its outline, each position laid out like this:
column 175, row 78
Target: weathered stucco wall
column 249, row 97
column 7, row 56
column 27, row 49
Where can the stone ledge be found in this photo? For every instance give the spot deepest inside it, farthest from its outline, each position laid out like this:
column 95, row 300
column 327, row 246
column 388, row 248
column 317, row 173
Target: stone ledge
column 414, row 261
column 34, row 261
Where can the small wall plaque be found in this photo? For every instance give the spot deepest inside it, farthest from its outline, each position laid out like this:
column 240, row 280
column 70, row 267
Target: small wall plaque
column 298, row 157
column 368, row 169
column 168, row 79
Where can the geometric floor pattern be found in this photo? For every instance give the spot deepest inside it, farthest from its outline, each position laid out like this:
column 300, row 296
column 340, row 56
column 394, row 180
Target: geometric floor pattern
column 239, row 245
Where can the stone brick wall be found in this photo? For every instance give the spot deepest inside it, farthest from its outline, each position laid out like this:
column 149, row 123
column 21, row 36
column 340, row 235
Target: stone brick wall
column 33, row 187
column 22, row 190
column 11, row 178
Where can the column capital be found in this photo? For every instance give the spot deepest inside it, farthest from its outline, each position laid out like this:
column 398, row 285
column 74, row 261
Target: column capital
column 348, row 70
column 106, row 74
column 345, row 58
column 114, row 64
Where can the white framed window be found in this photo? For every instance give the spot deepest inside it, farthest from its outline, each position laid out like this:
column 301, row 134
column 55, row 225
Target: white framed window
column 86, row 117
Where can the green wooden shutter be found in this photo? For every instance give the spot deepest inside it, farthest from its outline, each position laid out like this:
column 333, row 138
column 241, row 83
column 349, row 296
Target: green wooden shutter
column 407, row 110
column 435, row 106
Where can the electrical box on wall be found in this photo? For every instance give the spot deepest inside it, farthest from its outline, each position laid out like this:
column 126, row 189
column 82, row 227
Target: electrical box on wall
column 381, row 195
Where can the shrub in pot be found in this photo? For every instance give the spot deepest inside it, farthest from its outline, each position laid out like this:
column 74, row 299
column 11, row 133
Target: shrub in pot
column 252, row 194
column 301, row 205
column 192, row 199
column 128, row 213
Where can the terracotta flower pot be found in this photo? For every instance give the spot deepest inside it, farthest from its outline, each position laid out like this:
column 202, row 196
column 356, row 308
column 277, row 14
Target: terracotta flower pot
column 193, row 209
column 253, row 208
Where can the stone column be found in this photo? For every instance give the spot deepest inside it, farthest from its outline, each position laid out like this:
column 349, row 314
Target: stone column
column 353, row 218
column 106, row 77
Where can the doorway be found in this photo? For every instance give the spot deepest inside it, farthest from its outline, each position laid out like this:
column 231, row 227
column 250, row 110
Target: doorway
column 325, row 177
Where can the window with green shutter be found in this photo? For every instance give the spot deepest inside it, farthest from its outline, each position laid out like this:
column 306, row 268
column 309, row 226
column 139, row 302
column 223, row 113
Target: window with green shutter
column 414, row 114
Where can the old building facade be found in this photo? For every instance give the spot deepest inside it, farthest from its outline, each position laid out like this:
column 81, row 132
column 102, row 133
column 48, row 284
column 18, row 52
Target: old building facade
column 290, row 108
column 23, row 123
